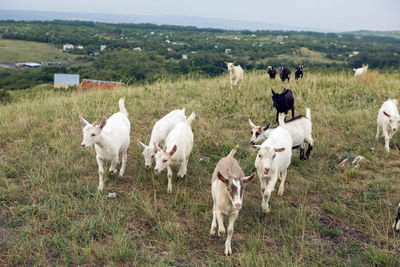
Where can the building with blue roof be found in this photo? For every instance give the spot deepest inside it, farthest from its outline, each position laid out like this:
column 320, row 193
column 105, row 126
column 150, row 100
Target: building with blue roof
column 65, row 80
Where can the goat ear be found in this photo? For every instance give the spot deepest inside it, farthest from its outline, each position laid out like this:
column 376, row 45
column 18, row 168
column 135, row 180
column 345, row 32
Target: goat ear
column 285, row 91
column 141, row 144
column 255, row 147
column 267, row 126
column 251, row 123
column 387, row 115
column 272, row 90
column 103, row 122
column 173, row 150
column 157, row 146
column 248, row 178
column 84, row 122
column 279, row 149
column 222, row 178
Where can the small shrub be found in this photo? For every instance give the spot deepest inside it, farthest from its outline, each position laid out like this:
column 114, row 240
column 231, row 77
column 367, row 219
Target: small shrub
column 5, row 97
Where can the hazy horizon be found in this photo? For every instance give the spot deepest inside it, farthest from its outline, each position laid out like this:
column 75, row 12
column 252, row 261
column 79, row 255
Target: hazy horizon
column 335, row 16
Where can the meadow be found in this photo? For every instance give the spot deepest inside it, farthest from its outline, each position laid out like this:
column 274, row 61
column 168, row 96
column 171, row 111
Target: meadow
column 52, row 214
column 25, row 51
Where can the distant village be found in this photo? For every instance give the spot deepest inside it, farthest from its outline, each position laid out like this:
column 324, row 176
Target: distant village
column 69, row 80
column 102, row 52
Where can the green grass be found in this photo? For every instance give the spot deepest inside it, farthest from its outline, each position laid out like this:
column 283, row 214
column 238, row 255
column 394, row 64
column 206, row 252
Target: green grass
column 51, row 213
column 23, row 51
column 303, row 54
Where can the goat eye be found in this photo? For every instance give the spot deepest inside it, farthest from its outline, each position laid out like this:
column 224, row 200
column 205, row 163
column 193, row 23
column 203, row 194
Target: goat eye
column 152, row 157
column 274, row 156
column 93, row 134
column 165, row 160
column 259, row 156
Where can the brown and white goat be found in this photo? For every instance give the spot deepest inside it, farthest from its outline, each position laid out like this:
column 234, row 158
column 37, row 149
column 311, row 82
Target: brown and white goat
column 227, row 187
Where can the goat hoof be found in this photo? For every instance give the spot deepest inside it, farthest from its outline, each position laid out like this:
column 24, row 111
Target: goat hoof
column 265, row 209
column 100, row 188
column 221, row 232
column 228, row 252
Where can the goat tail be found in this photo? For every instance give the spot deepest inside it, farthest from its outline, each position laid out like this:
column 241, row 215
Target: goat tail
column 354, row 69
column 183, row 111
column 233, row 151
column 190, row 119
column 308, row 114
column 122, row 108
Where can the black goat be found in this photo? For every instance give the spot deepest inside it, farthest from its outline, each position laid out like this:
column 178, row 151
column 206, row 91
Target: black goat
column 283, row 102
column 299, row 72
column 284, row 73
column 272, row 72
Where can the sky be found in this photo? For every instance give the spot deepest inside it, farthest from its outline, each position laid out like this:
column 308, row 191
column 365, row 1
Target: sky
column 335, row 15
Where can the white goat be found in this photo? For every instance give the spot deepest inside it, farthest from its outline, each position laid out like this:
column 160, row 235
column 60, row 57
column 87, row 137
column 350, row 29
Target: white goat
column 227, row 187
column 110, row 138
column 388, row 120
column 272, row 161
column 160, row 132
column 299, row 128
column 179, row 144
column 235, row 73
column 360, row 71
column 396, row 224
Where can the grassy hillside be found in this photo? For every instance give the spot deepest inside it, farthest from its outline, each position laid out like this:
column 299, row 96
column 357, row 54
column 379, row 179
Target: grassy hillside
column 303, row 54
column 51, row 213
column 17, row 51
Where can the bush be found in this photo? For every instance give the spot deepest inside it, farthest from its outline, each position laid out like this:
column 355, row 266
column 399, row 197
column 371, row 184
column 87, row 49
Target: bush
column 5, row 97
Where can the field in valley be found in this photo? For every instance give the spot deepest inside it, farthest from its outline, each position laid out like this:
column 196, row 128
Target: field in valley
column 25, row 51
column 52, row 214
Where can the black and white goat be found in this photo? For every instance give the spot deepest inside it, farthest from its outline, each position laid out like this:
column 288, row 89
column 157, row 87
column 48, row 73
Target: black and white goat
column 396, row 224
column 283, row 102
column 299, row 127
column 299, row 72
column 284, row 73
column 271, row 72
